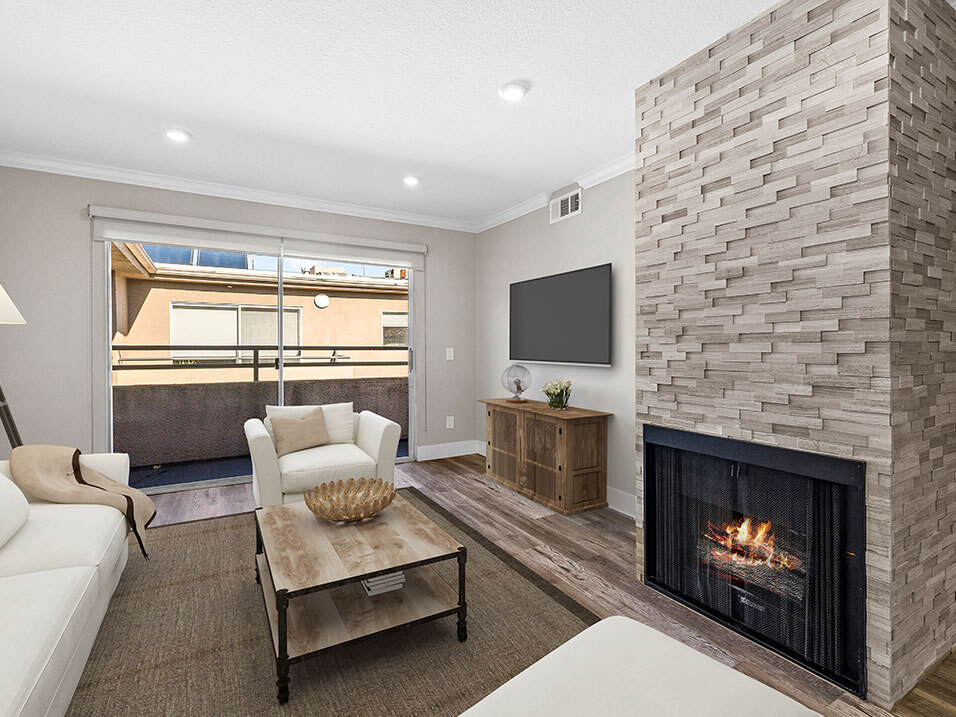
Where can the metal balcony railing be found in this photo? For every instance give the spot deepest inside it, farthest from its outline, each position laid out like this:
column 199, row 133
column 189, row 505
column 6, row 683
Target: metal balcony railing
column 254, row 356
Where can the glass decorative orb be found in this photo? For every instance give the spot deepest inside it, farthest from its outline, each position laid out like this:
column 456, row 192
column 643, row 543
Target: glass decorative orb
column 516, row 379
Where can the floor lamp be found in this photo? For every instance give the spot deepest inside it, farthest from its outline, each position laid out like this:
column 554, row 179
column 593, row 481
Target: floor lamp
column 9, row 315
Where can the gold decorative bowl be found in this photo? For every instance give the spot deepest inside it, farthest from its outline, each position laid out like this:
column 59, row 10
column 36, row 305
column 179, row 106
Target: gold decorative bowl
column 349, row 500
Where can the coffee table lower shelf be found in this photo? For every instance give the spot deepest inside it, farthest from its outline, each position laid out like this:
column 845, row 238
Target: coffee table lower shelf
column 326, row 618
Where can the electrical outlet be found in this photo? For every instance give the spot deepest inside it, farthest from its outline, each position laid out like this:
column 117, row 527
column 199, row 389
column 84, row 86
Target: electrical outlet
column 449, row 421
column 449, row 354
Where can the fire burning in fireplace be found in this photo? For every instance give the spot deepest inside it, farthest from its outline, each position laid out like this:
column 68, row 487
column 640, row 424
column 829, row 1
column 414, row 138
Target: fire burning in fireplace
column 748, row 543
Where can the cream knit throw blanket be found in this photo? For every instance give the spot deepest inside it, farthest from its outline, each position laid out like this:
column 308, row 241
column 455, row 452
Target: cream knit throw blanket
column 53, row 473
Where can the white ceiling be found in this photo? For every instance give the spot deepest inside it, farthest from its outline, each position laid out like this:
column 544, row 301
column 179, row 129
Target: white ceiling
column 318, row 103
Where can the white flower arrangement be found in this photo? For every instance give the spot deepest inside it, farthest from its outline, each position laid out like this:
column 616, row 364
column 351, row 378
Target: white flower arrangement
column 558, row 392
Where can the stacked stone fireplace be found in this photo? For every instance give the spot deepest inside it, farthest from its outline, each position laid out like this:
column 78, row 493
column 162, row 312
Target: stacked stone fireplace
column 795, row 218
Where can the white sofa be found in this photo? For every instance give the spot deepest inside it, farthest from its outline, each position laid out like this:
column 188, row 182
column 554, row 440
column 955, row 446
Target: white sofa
column 57, row 575
column 277, row 480
column 619, row 667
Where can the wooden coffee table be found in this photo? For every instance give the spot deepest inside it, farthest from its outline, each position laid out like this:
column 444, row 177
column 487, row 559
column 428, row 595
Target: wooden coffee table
column 310, row 570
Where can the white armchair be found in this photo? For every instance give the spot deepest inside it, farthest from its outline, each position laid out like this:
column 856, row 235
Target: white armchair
column 277, row 480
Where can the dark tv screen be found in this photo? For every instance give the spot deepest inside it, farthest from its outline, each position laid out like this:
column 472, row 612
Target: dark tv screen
column 565, row 318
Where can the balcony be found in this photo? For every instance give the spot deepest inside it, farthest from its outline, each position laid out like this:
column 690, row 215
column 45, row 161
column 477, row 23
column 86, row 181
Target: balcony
column 180, row 427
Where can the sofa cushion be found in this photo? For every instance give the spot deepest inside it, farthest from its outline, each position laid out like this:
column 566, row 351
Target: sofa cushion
column 632, row 669
column 339, row 419
column 306, row 469
column 14, row 509
column 45, row 614
column 64, row 536
column 297, row 434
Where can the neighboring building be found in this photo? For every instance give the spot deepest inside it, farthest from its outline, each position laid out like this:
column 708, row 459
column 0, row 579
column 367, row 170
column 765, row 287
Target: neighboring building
column 164, row 296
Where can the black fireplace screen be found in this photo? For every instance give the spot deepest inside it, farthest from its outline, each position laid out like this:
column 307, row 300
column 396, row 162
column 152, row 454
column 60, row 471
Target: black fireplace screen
column 768, row 541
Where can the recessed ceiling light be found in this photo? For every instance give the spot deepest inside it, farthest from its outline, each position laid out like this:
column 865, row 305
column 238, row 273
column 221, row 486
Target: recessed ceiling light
column 515, row 90
column 411, row 180
column 178, row 135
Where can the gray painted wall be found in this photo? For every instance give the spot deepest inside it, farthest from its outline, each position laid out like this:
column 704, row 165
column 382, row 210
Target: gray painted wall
column 46, row 266
column 529, row 247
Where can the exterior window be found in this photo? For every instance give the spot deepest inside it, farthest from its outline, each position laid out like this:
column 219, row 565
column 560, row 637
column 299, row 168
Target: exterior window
column 199, row 325
column 181, row 256
column 230, row 325
column 168, row 254
column 260, row 326
column 395, row 328
column 222, row 259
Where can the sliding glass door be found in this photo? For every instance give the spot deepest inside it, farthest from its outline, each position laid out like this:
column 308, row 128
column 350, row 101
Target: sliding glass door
column 195, row 351
column 353, row 339
column 195, row 344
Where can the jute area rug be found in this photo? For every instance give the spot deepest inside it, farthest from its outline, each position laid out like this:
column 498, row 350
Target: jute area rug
column 186, row 634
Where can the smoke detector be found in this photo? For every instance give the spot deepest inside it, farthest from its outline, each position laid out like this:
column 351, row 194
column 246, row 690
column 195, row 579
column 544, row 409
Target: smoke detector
column 565, row 203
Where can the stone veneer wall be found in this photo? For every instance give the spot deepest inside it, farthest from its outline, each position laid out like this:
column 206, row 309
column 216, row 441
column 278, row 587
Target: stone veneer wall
column 922, row 154
column 774, row 283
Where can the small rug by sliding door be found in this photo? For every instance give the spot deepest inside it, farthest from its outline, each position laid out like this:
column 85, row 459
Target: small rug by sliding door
column 186, row 634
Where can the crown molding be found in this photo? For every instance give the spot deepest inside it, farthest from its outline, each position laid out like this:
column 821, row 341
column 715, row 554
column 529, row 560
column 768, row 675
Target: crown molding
column 610, row 170
column 506, row 215
column 104, row 173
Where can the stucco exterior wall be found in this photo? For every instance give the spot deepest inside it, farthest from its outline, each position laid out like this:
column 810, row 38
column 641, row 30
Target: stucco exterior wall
column 351, row 318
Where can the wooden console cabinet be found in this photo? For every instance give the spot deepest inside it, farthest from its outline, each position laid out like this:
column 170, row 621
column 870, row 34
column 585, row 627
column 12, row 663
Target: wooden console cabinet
column 557, row 458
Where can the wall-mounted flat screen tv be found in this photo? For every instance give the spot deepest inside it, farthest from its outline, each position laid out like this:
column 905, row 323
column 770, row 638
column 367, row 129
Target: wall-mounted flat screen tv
column 564, row 318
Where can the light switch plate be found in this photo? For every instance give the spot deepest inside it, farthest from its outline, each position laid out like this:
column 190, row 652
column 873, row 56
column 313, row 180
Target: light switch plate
column 449, row 421
column 449, row 354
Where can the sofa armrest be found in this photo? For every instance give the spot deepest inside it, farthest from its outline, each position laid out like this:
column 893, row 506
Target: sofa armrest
column 266, row 481
column 114, row 466
column 379, row 437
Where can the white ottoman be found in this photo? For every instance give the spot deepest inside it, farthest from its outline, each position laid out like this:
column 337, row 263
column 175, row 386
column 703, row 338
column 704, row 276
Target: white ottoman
column 622, row 667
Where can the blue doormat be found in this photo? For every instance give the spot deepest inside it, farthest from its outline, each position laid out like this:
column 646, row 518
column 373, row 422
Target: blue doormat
column 189, row 472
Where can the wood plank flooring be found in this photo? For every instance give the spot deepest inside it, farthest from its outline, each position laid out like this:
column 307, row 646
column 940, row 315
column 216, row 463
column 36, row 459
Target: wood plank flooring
column 201, row 503
column 590, row 557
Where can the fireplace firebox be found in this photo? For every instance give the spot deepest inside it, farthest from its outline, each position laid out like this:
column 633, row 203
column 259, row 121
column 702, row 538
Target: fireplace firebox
column 767, row 541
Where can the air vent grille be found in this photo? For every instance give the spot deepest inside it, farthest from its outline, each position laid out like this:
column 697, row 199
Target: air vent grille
column 565, row 205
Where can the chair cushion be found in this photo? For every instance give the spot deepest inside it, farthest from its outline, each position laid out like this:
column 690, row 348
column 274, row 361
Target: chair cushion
column 14, row 509
column 306, row 469
column 339, row 419
column 45, row 614
column 65, row 535
column 297, row 434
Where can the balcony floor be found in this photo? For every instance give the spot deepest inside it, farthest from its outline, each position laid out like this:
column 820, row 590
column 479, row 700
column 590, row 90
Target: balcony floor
column 211, row 473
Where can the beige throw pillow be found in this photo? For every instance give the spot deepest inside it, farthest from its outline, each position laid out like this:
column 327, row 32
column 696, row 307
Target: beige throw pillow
column 297, row 434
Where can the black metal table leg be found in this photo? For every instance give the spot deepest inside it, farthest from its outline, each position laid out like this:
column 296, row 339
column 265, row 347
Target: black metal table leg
column 282, row 659
column 462, row 605
column 258, row 551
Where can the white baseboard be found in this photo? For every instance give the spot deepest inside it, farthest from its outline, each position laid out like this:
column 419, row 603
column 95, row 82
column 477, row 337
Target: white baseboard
column 622, row 502
column 449, row 450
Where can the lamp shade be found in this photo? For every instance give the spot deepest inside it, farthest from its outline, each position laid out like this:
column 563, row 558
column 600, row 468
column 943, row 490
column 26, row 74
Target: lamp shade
column 8, row 312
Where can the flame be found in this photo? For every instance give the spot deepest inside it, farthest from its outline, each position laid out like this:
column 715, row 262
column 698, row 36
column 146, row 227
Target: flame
column 749, row 543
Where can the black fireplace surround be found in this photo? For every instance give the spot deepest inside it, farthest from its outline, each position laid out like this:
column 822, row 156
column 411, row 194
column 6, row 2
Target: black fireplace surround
column 767, row 541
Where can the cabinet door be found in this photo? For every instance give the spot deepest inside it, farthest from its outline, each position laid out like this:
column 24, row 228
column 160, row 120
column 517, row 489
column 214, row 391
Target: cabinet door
column 543, row 458
column 502, row 450
column 587, row 462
